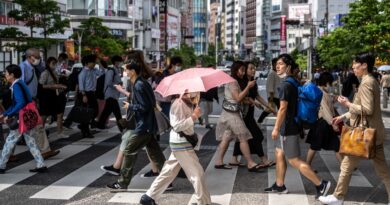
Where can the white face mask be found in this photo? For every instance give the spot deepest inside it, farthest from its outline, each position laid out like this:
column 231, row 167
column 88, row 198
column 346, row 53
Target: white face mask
column 178, row 68
column 284, row 75
column 36, row 61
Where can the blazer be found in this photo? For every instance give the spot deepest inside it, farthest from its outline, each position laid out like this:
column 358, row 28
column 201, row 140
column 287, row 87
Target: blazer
column 367, row 99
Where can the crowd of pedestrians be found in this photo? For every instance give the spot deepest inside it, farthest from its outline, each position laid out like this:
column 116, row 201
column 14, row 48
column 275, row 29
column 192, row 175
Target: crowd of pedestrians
column 99, row 86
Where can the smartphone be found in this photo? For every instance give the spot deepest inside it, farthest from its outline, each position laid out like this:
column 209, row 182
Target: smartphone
column 256, row 78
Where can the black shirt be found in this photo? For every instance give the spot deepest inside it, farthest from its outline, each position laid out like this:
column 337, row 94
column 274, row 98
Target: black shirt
column 289, row 93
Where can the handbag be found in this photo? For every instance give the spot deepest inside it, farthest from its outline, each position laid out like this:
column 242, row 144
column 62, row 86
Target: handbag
column 230, row 107
column 163, row 123
column 81, row 114
column 192, row 139
column 29, row 116
column 358, row 140
column 128, row 123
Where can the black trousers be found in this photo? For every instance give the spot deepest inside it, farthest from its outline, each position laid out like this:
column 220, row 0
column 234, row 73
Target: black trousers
column 264, row 114
column 92, row 103
column 111, row 106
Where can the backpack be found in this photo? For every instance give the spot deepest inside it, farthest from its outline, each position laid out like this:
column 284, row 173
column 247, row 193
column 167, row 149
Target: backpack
column 309, row 102
column 73, row 78
column 100, row 84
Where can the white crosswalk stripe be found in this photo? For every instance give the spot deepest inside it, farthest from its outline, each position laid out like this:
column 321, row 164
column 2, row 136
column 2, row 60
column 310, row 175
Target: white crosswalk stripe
column 72, row 186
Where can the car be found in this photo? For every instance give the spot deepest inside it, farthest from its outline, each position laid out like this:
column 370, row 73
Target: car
column 225, row 66
column 264, row 74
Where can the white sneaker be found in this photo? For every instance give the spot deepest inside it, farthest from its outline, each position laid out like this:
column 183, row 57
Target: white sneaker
column 330, row 200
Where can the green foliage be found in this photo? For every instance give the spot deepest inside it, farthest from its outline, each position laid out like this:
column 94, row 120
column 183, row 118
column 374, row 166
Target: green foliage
column 96, row 36
column 300, row 59
column 367, row 28
column 186, row 53
column 44, row 14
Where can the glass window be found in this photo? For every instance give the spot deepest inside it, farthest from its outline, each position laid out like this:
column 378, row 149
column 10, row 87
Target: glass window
column 2, row 8
column 78, row 4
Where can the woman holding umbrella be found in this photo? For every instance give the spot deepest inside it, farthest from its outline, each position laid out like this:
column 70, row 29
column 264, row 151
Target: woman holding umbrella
column 231, row 124
column 182, row 118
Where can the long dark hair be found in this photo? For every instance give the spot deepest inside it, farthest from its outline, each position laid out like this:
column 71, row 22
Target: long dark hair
column 233, row 72
column 138, row 56
column 48, row 61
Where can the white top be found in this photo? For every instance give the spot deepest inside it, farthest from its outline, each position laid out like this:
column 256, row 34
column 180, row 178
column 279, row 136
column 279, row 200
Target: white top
column 181, row 121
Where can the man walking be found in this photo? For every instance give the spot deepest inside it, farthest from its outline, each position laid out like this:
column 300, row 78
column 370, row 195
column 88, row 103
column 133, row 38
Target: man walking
column 287, row 142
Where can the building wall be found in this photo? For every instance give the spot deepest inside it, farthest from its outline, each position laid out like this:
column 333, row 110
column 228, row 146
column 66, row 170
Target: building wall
column 251, row 12
column 213, row 22
column 199, row 8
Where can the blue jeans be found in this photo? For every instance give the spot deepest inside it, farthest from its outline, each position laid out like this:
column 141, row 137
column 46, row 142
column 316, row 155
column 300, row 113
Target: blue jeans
column 10, row 143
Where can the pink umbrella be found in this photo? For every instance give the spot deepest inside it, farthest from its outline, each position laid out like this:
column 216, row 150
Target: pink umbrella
column 192, row 80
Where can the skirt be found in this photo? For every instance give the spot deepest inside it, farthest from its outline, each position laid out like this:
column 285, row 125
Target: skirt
column 231, row 126
column 322, row 136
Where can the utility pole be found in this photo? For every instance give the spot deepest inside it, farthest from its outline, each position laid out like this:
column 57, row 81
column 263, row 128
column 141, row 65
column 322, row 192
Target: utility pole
column 79, row 38
column 326, row 16
column 216, row 49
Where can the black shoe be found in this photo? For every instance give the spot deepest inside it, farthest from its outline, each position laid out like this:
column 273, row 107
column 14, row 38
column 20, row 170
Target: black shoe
column 150, row 174
column 111, row 170
column 147, row 200
column 208, row 127
column 39, row 170
column 2, row 171
column 276, row 189
column 323, row 189
column 116, row 187
column 21, row 142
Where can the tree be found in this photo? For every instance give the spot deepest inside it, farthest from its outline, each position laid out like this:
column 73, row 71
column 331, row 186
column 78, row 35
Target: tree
column 366, row 28
column 44, row 14
column 96, row 38
column 186, row 53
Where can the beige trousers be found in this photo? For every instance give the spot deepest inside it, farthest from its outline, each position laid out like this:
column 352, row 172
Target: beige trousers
column 194, row 171
column 349, row 163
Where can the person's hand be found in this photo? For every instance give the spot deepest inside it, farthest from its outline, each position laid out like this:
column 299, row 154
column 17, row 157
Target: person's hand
column 196, row 113
column 125, row 104
column 337, row 120
column 343, row 101
column 275, row 134
column 5, row 119
column 251, row 84
column 257, row 104
column 85, row 99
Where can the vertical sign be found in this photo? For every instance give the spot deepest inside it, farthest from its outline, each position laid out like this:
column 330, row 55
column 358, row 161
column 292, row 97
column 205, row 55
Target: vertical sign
column 283, row 34
column 69, row 45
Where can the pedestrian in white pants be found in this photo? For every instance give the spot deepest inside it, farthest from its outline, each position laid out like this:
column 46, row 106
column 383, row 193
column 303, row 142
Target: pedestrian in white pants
column 182, row 118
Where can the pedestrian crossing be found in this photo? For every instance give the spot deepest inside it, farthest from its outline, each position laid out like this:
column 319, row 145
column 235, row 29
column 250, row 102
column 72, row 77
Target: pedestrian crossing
column 74, row 177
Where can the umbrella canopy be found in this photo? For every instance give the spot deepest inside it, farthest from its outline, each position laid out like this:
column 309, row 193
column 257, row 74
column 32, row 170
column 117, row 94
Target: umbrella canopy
column 384, row 68
column 192, row 80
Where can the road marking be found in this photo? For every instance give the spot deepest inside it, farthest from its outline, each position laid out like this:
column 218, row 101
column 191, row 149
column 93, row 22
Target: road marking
column 293, row 181
column 357, row 180
column 76, row 181
column 19, row 173
column 219, row 183
column 138, row 185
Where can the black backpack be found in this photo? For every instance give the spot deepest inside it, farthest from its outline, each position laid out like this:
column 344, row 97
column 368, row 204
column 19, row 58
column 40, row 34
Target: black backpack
column 100, row 84
column 73, row 78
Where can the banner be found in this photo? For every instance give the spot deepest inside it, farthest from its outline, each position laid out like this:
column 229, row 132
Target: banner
column 69, row 46
column 283, row 34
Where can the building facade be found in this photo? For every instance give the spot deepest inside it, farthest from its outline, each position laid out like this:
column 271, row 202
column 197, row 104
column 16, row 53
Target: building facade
column 213, row 22
column 199, row 14
column 250, row 37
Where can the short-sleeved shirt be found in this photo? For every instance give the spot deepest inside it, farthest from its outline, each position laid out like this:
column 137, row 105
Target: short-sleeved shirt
column 47, row 79
column 289, row 93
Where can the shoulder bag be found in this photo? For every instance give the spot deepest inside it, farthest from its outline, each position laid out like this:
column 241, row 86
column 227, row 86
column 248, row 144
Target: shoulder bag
column 358, row 140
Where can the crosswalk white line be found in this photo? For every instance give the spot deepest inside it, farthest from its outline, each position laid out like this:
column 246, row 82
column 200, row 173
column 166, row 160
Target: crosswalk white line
column 19, row 173
column 293, row 181
column 219, row 183
column 76, row 181
column 138, row 185
column 357, row 180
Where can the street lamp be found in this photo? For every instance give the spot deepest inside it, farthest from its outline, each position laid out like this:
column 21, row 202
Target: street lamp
column 216, row 50
column 79, row 38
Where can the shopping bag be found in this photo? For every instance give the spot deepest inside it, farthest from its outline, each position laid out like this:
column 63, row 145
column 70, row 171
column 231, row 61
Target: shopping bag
column 29, row 117
column 81, row 114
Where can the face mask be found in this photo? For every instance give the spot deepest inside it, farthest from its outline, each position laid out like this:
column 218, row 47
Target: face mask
column 284, row 75
column 178, row 68
column 36, row 61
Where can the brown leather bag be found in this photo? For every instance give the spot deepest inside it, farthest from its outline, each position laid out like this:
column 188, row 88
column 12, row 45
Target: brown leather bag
column 358, row 140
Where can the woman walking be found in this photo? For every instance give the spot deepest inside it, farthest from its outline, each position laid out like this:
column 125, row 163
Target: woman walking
column 231, row 125
column 20, row 98
column 255, row 144
column 52, row 98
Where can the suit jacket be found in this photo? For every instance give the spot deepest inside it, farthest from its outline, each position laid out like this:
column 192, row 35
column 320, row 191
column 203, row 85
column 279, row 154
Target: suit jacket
column 367, row 99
